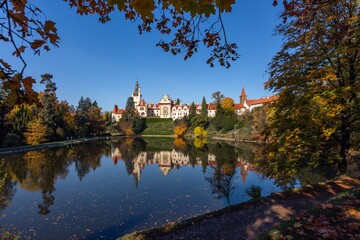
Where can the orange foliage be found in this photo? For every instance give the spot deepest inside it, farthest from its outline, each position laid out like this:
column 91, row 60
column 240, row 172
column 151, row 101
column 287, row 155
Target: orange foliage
column 36, row 132
column 180, row 130
column 228, row 104
column 179, row 143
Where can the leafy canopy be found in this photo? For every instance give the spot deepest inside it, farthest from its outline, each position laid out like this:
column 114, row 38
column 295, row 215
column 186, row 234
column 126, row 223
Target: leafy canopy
column 317, row 76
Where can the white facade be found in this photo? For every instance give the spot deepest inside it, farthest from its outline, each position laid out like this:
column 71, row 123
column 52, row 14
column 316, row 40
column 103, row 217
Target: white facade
column 167, row 109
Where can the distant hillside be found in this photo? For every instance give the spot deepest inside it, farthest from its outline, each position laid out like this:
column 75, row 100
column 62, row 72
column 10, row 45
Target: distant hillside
column 159, row 126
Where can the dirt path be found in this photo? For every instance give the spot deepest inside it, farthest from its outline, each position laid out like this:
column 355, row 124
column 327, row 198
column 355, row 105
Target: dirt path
column 247, row 220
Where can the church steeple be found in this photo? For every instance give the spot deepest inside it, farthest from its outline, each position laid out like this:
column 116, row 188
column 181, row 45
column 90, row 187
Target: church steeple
column 242, row 96
column 137, row 88
column 136, row 94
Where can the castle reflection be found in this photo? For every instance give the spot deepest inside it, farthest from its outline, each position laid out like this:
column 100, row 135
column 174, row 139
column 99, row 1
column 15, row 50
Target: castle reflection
column 168, row 160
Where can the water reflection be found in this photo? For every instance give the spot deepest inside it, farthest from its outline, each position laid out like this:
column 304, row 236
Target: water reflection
column 221, row 157
column 81, row 190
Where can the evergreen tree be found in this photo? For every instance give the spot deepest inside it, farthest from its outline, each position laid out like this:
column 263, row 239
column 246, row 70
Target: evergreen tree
column 204, row 111
column 192, row 111
column 130, row 105
column 48, row 100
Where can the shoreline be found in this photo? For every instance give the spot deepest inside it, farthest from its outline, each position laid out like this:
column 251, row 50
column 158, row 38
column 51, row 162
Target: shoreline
column 50, row 145
column 228, row 221
column 64, row 143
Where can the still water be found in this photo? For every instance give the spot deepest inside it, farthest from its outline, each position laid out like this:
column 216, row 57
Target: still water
column 105, row 189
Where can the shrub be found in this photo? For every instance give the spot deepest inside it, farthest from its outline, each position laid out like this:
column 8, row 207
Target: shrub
column 199, row 132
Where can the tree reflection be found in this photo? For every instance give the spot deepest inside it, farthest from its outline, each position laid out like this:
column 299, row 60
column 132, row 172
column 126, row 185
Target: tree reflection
column 48, row 200
column 221, row 182
column 39, row 170
column 6, row 186
column 288, row 175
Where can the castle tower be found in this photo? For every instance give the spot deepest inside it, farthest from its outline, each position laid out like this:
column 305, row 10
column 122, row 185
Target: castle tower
column 242, row 96
column 136, row 94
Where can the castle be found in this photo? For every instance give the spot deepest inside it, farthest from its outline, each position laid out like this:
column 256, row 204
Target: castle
column 166, row 108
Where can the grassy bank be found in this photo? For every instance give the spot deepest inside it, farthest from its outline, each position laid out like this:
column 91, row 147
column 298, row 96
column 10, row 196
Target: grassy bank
column 159, row 126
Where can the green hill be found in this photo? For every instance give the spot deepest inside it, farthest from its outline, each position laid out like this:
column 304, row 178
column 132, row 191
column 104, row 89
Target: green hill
column 159, row 126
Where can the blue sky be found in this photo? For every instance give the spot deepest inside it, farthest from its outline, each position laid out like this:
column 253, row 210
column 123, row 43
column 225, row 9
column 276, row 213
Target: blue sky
column 103, row 61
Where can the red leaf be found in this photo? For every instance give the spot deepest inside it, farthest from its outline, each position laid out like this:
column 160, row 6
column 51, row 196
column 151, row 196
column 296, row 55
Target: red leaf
column 37, row 43
column 19, row 51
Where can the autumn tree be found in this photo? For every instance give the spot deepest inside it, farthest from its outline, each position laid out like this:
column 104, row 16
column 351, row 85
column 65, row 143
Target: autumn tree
column 186, row 24
column 180, row 129
column 199, row 132
column 316, row 74
column 36, row 132
column 228, row 104
column 18, row 118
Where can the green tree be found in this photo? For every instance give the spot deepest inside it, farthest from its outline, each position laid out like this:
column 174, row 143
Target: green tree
column 130, row 105
column 192, row 111
column 178, row 101
column 82, row 118
column 130, row 116
column 228, row 121
column 216, row 122
column 317, row 76
column 48, row 100
column 204, row 111
column 199, row 121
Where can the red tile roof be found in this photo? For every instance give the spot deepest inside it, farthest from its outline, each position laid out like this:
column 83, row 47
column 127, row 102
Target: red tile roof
column 238, row 106
column 116, row 110
column 120, row 111
column 142, row 103
column 261, row 100
column 211, row 107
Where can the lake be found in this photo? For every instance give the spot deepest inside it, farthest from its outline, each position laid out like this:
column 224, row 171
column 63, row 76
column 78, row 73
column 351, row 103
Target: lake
column 105, row 189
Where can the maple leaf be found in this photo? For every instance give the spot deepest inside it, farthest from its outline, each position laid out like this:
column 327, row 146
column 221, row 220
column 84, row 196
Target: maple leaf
column 144, row 8
column 225, row 5
column 49, row 27
column 28, row 83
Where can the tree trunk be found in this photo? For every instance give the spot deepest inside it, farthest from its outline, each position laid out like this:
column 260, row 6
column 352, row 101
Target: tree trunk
column 344, row 145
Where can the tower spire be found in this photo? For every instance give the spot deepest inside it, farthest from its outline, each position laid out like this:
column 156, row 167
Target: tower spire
column 242, row 96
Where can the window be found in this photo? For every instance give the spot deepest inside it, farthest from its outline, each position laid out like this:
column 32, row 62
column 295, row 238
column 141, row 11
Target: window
column 165, row 111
